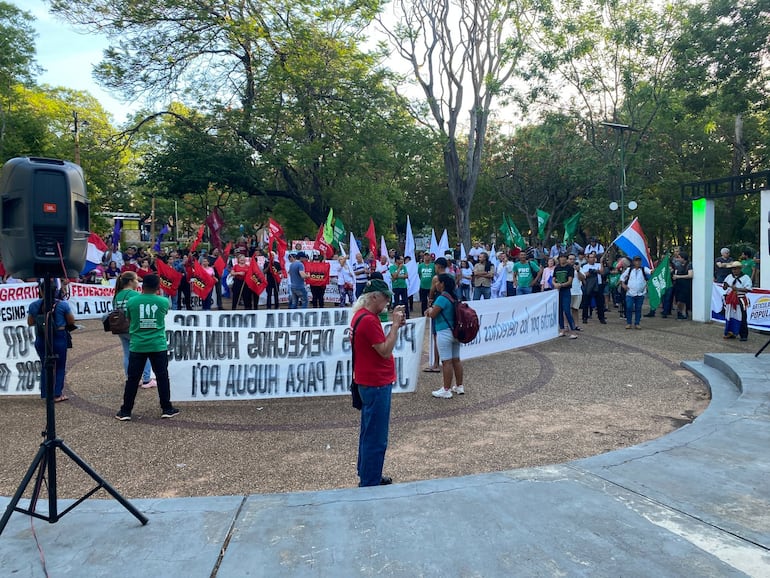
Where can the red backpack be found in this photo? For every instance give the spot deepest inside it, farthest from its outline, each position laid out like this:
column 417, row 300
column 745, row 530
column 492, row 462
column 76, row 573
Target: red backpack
column 466, row 326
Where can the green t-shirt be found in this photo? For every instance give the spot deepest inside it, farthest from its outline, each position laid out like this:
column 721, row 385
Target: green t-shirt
column 397, row 282
column 426, row 273
column 748, row 266
column 147, row 314
column 525, row 273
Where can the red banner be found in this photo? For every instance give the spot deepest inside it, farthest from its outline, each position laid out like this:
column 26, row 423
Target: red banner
column 198, row 238
column 277, row 235
column 255, row 279
column 372, row 238
column 219, row 265
column 215, row 224
column 169, row 278
column 201, row 283
column 321, row 245
column 319, row 273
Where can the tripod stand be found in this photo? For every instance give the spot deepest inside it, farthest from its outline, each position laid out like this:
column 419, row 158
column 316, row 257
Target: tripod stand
column 44, row 462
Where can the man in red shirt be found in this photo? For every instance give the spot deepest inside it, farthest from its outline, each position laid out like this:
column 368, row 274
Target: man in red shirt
column 374, row 370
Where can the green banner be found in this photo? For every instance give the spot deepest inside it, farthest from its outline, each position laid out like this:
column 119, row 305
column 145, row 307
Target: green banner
column 570, row 228
column 659, row 282
column 542, row 221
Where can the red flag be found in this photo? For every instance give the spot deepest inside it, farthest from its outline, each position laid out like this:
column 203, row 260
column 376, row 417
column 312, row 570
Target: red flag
column 255, row 279
column 372, row 238
column 319, row 273
column 201, row 282
column 215, row 224
column 219, row 265
column 276, row 231
column 198, row 238
column 321, row 245
column 169, row 278
column 228, row 248
column 277, row 235
column 275, row 268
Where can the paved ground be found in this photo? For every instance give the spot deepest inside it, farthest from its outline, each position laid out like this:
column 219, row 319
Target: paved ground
column 693, row 503
column 549, row 404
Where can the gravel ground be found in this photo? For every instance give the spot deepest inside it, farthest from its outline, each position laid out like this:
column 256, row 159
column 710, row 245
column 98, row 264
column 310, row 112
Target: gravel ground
column 558, row 401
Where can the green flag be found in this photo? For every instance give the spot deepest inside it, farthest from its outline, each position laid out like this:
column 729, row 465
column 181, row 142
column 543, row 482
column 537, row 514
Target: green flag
column 518, row 240
column 339, row 233
column 506, row 231
column 570, row 228
column 659, row 281
column 542, row 221
column 329, row 228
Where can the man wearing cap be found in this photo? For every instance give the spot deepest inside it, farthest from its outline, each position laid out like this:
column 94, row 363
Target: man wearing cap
column 736, row 286
column 374, row 370
column 634, row 281
column 297, row 276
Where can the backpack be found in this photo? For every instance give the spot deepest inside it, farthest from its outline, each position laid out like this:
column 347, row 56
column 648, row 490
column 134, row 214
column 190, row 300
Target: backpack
column 466, row 326
column 117, row 320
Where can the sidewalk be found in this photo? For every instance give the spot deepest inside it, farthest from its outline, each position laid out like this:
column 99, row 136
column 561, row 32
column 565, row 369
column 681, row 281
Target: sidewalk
column 693, row 503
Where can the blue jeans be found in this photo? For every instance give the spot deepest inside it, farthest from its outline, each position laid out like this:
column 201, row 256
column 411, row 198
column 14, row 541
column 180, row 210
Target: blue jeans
column 565, row 300
column 125, row 340
column 60, row 367
column 297, row 294
column 634, row 303
column 373, row 439
column 524, row 290
column 482, row 293
column 136, row 363
column 464, row 293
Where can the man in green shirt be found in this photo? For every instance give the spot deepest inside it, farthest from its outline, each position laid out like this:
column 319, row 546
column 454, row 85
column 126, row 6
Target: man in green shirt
column 399, row 276
column 425, row 272
column 526, row 273
column 146, row 313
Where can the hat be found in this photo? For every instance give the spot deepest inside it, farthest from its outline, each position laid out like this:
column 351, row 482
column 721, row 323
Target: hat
column 735, row 264
column 379, row 286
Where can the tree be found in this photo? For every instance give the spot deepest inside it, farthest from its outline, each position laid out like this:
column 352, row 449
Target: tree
column 468, row 45
column 17, row 59
column 287, row 80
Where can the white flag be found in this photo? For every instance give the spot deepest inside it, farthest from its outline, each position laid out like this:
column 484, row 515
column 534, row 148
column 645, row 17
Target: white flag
column 354, row 250
column 443, row 245
column 463, row 254
column 411, row 266
column 433, row 249
column 383, row 247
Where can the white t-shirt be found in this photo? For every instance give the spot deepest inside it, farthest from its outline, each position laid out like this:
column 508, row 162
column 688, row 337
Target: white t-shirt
column 636, row 279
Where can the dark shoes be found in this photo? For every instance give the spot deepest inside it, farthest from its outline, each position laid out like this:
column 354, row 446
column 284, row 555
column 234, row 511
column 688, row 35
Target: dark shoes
column 120, row 416
column 603, row 321
column 650, row 314
column 168, row 413
column 680, row 316
column 386, row 481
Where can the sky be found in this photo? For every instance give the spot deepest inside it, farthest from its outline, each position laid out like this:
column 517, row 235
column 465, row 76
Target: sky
column 68, row 57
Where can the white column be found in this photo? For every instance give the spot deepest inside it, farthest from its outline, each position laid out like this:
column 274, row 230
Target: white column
column 702, row 258
column 764, row 239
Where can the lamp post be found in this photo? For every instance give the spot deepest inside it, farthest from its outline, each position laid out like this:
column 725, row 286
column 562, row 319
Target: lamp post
column 76, row 131
column 620, row 129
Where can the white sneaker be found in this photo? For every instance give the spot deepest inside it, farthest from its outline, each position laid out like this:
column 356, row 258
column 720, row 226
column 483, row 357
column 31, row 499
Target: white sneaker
column 442, row 393
column 458, row 389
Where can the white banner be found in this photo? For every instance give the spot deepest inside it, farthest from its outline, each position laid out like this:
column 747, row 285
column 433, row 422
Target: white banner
column 270, row 354
column 757, row 313
column 513, row 322
column 19, row 365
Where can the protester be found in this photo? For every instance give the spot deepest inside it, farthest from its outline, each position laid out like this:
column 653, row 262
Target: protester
column 682, row 279
column 563, row 274
column 400, row 280
column 526, row 273
column 361, row 273
column 61, row 317
column 240, row 290
column 147, row 316
column 546, row 279
column 443, row 313
column 737, row 284
column 466, row 278
column 425, row 273
column 297, row 287
column 722, row 265
column 125, row 289
column 634, row 281
column 576, row 291
column 209, row 299
column 272, row 272
column 483, row 274
column 345, row 282
column 593, row 273
column 374, row 371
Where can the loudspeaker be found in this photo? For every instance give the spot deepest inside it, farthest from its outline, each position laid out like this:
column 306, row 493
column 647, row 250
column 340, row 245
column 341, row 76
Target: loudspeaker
column 44, row 219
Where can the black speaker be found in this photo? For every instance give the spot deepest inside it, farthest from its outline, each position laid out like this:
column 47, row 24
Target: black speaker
column 44, row 219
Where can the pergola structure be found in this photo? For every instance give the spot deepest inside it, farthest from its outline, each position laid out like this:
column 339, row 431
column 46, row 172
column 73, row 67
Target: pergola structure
column 702, row 195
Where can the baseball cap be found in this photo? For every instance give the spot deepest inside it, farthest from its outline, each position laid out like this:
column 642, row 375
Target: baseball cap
column 377, row 285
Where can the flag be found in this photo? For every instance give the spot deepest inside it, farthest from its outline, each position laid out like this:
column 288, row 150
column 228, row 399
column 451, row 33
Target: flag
column 169, row 277
column 94, row 253
column 371, row 236
column 339, row 233
column 201, row 281
column 255, row 279
column 198, row 238
column 383, row 247
column 163, row 233
column 354, row 250
column 518, row 239
column 463, row 254
column 219, row 265
column 321, row 245
column 226, row 254
column 318, row 273
column 329, row 227
column 215, row 223
column 570, row 228
column 443, row 245
column 433, row 249
column 116, row 233
column 413, row 281
column 506, row 232
column 634, row 244
column 542, row 221
column 659, row 281
column 277, row 235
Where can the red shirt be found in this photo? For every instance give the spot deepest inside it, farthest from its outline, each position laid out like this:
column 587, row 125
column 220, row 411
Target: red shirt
column 370, row 367
column 237, row 268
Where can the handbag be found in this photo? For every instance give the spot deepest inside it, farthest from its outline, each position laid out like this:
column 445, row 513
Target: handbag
column 358, row 403
column 117, row 320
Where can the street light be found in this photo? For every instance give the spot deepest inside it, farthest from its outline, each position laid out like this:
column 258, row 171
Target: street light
column 76, row 130
column 620, row 129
